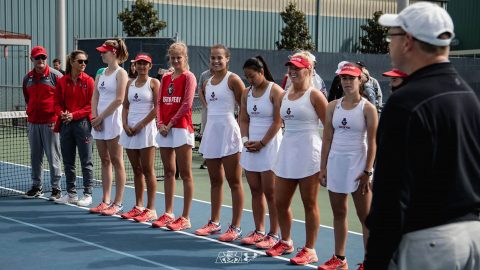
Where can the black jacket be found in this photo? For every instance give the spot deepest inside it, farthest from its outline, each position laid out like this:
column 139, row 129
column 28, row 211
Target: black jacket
column 428, row 159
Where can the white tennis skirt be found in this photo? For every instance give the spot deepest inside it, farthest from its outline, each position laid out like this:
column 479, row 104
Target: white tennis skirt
column 111, row 126
column 299, row 155
column 143, row 139
column 343, row 170
column 176, row 137
column 264, row 159
column 221, row 137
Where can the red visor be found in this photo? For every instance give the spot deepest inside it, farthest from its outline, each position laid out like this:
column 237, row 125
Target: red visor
column 106, row 48
column 299, row 62
column 143, row 57
column 351, row 70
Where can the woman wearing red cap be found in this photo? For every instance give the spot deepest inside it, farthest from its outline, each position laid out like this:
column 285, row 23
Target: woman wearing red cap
column 298, row 160
column 348, row 153
column 221, row 143
column 107, row 101
column 176, row 137
column 397, row 78
column 138, row 136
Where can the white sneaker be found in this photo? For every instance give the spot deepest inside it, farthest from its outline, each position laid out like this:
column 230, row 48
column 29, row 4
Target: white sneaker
column 67, row 198
column 86, row 200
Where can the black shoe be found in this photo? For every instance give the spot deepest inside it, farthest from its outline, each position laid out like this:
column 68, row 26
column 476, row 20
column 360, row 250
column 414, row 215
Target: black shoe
column 203, row 167
column 56, row 194
column 34, row 192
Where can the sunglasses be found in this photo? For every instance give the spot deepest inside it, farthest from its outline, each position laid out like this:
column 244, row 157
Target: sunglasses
column 43, row 57
column 81, row 61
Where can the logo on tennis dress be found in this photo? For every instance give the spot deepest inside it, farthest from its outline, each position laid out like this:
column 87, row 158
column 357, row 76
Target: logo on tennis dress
column 254, row 112
column 102, row 86
column 289, row 115
column 135, row 98
column 212, row 97
column 344, row 124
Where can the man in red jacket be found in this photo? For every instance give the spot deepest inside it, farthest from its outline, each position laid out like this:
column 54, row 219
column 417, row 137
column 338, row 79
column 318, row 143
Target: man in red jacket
column 38, row 91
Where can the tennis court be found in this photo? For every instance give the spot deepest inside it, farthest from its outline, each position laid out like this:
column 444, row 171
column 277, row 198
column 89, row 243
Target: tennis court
column 58, row 236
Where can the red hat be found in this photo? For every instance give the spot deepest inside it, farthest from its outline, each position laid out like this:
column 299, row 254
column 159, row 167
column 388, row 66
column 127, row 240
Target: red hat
column 351, row 70
column 396, row 73
column 299, row 62
column 143, row 57
column 106, row 48
column 38, row 50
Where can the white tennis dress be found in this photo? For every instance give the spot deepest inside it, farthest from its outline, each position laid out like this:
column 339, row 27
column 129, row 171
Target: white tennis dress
column 348, row 152
column 260, row 111
column 112, row 124
column 221, row 137
column 141, row 104
column 300, row 150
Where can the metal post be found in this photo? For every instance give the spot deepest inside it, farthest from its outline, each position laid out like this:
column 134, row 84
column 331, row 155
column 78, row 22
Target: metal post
column 61, row 51
column 317, row 33
column 401, row 4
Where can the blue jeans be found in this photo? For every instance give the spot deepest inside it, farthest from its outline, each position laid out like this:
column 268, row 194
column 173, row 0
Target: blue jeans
column 77, row 135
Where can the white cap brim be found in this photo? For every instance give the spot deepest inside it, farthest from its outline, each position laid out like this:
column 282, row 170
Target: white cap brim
column 389, row 20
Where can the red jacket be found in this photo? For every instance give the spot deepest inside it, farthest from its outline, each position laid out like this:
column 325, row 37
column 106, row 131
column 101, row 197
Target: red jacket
column 38, row 91
column 74, row 97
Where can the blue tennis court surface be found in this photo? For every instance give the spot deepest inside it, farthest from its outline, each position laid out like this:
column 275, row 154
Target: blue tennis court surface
column 39, row 234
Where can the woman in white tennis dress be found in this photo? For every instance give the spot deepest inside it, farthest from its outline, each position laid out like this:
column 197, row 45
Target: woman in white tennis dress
column 138, row 136
column 107, row 102
column 260, row 125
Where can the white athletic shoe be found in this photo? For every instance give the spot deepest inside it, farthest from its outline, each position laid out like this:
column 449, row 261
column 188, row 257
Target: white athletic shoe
column 85, row 201
column 67, row 198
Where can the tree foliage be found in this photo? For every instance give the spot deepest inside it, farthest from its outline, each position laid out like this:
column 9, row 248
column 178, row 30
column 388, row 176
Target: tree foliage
column 374, row 40
column 142, row 20
column 295, row 34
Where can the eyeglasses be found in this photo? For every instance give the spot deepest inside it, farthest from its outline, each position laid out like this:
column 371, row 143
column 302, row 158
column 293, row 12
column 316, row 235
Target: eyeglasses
column 43, row 57
column 389, row 36
column 81, row 61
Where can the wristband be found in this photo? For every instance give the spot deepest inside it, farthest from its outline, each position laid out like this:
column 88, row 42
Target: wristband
column 244, row 139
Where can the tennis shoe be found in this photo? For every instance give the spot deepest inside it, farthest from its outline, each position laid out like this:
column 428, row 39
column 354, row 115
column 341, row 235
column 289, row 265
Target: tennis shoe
column 208, row 229
column 180, row 224
column 334, row 264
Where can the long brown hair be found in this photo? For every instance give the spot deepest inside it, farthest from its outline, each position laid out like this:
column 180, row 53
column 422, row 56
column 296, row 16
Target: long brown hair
column 72, row 57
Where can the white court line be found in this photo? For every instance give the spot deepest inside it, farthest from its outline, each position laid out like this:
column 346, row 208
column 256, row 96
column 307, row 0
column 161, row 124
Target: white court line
column 90, row 243
column 196, row 200
column 184, row 233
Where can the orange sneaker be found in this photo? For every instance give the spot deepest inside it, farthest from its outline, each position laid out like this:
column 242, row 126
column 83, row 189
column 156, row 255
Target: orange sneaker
column 208, row 229
column 180, row 224
column 304, row 257
column 334, row 264
column 112, row 210
column 360, row 266
column 280, row 248
column 146, row 215
column 97, row 210
column 253, row 238
column 163, row 221
column 132, row 213
column 268, row 241
column 231, row 234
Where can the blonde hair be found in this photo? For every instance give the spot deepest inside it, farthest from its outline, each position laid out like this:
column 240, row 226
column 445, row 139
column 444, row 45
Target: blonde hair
column 182, row 47
column 121, row 47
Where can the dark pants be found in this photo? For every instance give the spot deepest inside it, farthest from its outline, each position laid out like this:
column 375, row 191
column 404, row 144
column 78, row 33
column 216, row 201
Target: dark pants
column 77, row 135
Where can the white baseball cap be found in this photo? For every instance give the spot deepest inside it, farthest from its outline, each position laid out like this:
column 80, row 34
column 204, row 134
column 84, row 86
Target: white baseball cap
column 340, row 66
column 424, row 21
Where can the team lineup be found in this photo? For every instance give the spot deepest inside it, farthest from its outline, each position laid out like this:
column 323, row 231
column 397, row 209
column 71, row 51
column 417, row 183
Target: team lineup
column 284, row 137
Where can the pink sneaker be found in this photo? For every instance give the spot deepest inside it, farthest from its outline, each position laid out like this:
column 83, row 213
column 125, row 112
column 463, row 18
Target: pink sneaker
column 280, row 248
column 97, row 210
column 208, row 229
column 146, row 215
column 268, row 242
column 180, row 224
column 132, row 213
column 163, row 221
column 112, row 210
column 334, row 264
column 231, row 234
column 253, row 238
column 304, row 257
